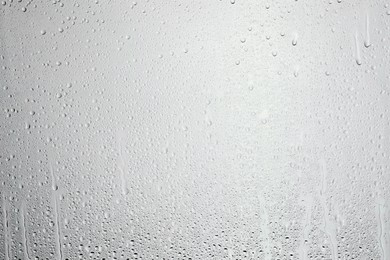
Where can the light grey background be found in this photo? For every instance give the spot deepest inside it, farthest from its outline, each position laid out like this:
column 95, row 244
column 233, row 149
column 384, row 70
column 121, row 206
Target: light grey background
column 209, row 129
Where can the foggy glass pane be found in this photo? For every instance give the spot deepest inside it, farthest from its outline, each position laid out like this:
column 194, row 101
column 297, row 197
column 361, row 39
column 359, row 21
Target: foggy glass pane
column 209, row 129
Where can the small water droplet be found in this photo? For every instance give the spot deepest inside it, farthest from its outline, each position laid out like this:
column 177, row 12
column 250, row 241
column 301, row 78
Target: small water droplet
column 296, row 72
column 295, row 40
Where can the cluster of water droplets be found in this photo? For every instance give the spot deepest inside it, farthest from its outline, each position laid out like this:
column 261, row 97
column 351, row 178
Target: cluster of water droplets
column 218, row 129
